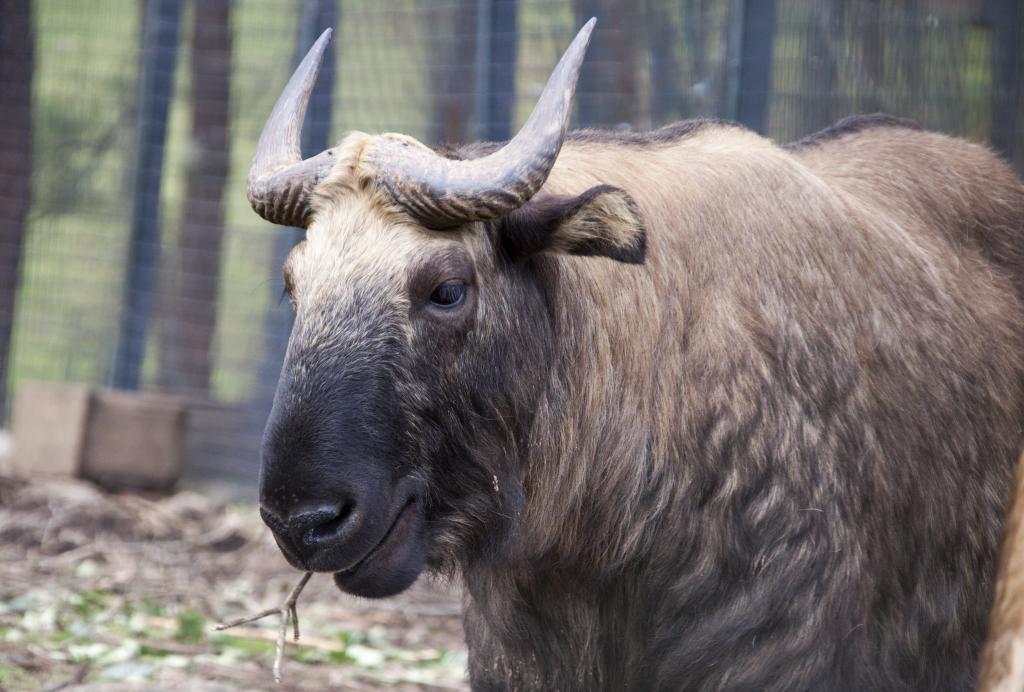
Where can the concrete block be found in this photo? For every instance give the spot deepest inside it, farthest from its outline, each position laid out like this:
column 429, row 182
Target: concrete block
column 134, row 440
column 49, row 427
column 118, row 439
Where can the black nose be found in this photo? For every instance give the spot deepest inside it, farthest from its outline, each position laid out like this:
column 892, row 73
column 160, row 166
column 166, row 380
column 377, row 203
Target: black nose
column 311, row 528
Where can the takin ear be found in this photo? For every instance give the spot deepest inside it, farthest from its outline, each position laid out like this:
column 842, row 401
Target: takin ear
column 604, row 221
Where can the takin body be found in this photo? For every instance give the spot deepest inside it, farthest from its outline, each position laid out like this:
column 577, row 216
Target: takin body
column 694, row 411
column 778, row 455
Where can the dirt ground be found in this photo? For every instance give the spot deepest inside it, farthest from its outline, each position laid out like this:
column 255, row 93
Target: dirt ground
column 106, row 591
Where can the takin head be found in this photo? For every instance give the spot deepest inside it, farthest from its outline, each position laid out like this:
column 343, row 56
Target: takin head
column 421, row 337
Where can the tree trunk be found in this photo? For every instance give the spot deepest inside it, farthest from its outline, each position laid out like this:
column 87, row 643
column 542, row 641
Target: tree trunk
column 608, row 94
column 700, row 95
column 504, row 31
column 664, row 35
column 186, row 356
column 756, row 62
column 16, row 63
column 452, row 62
column 867, row 27
column 819, row 79
column 1007, row 20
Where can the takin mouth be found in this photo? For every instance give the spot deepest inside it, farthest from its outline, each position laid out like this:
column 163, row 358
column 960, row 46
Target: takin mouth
column 394, row 563
column 349, row 571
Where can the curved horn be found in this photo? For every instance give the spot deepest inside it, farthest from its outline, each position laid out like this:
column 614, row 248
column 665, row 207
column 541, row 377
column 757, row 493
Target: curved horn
column 280, row 182
column 442, row 193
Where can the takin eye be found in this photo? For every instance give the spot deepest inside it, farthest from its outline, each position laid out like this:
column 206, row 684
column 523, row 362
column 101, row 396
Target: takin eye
column 449, row 294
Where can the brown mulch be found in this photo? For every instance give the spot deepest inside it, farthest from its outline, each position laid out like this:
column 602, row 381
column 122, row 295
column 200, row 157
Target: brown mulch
column 103, row 591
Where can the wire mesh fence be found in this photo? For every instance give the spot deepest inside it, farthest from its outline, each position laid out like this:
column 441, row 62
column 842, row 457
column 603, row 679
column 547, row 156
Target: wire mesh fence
column 129, row 256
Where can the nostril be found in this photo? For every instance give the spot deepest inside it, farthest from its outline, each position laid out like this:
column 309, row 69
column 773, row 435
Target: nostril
column 321, row 526
column 328, row 531
column 276, row 523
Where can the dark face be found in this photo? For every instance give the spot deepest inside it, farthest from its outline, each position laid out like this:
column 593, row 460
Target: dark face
column 412, row 366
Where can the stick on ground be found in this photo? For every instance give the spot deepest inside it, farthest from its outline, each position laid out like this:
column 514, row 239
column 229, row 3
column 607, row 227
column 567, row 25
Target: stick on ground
column 286, row 610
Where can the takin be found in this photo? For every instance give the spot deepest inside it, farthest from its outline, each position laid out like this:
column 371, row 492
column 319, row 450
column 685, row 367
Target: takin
column 684, row 410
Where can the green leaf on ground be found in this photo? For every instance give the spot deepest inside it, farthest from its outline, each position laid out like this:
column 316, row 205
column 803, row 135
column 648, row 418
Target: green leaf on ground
column 243, row 645
column 191, row 627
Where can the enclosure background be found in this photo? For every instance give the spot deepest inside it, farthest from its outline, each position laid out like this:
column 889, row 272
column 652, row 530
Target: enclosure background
column 128, row 253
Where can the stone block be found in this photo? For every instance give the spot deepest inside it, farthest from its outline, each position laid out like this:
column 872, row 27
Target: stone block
column 134, row 440
column 49, row 427
column 118, row 439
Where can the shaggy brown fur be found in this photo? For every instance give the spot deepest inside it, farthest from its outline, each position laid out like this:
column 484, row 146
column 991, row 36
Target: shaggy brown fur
column 775, row 456
column 1002, row 660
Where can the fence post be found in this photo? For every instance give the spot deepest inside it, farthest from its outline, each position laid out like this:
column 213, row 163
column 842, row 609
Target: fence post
column 755, row 63
column 159, row 56
column 17, row 51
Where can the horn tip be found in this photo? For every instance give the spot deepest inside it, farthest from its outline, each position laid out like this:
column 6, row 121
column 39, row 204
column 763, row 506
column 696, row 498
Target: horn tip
column 583, row 37
column 325, row 36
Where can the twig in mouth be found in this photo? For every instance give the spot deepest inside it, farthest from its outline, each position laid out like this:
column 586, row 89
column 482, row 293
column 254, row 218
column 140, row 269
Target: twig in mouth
column 286, row 610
